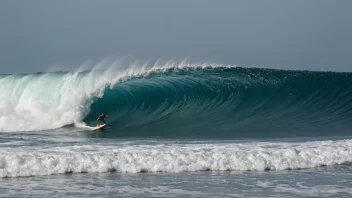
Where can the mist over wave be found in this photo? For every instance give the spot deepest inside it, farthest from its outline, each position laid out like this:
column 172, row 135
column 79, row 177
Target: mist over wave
column 181, row 100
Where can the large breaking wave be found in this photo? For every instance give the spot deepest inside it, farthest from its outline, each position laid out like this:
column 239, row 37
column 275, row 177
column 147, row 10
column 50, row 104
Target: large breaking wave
column 181, row 100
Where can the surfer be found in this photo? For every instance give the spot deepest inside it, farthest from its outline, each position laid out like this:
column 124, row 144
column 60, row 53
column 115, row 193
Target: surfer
column 102, row 119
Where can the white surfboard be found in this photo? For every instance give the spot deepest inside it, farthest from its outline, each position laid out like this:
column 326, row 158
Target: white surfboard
column 99, row 126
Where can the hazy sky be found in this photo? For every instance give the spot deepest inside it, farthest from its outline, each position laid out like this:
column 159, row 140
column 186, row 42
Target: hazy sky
column 297, row 34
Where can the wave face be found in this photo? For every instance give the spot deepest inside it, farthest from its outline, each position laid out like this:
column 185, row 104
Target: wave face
column 181, row 101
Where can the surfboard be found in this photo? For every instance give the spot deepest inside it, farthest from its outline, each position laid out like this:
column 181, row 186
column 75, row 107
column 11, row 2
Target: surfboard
column 99, row 126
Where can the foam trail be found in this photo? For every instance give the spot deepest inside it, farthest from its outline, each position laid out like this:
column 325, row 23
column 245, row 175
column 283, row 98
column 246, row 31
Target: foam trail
column 171, row 157
column 83, row 125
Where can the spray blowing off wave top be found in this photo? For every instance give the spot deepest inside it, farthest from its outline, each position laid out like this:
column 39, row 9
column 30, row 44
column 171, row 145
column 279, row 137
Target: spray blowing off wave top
column 182, row 101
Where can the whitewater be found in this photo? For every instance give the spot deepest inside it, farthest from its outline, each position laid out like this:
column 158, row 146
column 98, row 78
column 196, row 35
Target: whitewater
column 176, row 129
column 171, row 157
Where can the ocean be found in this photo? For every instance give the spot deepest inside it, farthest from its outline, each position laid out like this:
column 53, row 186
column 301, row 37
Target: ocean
column 176, row 130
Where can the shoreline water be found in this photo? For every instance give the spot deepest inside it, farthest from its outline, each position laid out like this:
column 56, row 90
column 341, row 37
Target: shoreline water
column 316, row 182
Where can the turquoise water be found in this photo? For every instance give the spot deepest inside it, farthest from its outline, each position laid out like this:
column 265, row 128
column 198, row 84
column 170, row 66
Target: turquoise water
column 176, row 131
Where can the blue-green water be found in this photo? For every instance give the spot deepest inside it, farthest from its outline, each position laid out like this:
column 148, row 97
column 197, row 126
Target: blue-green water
column 176, row 131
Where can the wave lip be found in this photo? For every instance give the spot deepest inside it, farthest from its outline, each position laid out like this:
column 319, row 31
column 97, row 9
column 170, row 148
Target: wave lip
column 174, row 158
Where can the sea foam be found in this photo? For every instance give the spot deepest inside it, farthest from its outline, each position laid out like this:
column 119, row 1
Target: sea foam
column 164, row 157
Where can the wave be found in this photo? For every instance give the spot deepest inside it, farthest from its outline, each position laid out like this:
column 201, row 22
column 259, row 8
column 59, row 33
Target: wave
column 171, row 157
column 181, row 100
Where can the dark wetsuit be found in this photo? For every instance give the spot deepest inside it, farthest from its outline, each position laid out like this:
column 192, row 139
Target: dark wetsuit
column 101, row 119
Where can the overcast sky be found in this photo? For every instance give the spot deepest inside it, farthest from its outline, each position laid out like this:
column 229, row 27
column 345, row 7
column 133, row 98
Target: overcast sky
column 297, row 34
